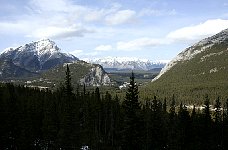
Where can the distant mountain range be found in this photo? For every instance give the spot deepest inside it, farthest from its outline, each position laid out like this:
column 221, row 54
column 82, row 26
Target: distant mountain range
column 127, row 63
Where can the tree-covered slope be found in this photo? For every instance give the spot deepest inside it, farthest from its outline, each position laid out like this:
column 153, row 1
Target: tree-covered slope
column 81, row 73
column 8, row 71
column 199, row 70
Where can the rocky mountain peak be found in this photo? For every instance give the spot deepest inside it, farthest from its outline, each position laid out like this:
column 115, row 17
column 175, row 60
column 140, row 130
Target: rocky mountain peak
column 35, row 56
column 46, row 46
column 39, row 48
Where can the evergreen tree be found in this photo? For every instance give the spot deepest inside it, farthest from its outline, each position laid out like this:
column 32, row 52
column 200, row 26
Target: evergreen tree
column 207, row 123
column 156, row 126
column 69, row 124
column 68, row 86
column 194, row 128
column 193, row 115
column 217, row 106
column 225, row 125
column 172, row 109
column 173, row 132
column 164, row 106
column 218, row 128
column 185, row 126
column 131, row 139
column 206, row 111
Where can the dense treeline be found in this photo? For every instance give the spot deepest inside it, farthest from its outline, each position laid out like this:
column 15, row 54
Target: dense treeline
column 34, row 119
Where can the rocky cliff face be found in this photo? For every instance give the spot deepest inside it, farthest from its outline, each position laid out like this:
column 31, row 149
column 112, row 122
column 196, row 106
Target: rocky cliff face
column 81, row 73
column 96, row 77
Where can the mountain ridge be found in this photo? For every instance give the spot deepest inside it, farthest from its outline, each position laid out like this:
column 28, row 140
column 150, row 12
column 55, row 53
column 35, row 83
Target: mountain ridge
column 36, row 56
column 131, row 63
column 191, row 51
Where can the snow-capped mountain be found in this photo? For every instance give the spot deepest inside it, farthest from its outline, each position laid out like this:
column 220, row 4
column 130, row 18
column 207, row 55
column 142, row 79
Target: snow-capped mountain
column 46, row 64
column 36, row 56
column 127, row 63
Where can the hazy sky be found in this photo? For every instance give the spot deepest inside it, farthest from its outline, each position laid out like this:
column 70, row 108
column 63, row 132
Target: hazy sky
column 153, row 29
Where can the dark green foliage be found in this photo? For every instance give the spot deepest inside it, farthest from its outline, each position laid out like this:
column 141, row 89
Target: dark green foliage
column 68, row 86
column 185, row 127
column 55, row 75
column 131, row 131
column 218, row 114
column 43, row 119
column 190, row 80
column 206, row 111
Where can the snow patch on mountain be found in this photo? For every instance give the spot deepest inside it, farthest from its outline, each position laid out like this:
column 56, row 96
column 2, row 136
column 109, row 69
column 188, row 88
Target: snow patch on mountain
column 39, row 48
column 213, row 70
column 39, row 55
column 212, row 54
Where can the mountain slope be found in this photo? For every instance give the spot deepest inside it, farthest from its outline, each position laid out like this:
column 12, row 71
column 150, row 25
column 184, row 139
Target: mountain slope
column 81, row 73
column 9, row 70
column 44, row 63
column 198, row 70
column 127, row 63
column 37, row 56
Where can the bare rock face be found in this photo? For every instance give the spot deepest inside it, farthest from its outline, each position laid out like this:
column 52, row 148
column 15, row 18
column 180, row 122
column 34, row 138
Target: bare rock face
column 96, row 77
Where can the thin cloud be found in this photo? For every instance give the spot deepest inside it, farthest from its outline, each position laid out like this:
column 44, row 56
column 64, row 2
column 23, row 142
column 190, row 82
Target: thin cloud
column 60, row 32
column 197, row 32
column 63, row 19
column 82, row 54
column 157, row 12
column 103, row 48
column 187, row 34
column 76, row 52
column 52, row 6
column 121, row 17
column 139, row 44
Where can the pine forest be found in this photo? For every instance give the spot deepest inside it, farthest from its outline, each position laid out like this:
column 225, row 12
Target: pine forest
column 63, row 119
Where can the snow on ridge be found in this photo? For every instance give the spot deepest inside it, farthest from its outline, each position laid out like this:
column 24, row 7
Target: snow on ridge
column 69, row 55
column 40, row 47
column 45, row 46
column 127, row 63
column 123, row 59
column 8, row 49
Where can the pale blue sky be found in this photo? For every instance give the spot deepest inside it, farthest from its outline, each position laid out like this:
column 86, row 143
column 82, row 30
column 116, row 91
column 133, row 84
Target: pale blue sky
column 152, row 29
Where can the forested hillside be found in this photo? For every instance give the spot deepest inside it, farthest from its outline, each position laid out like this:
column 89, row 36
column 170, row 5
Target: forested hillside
column 43, row 119
column 198, row 70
